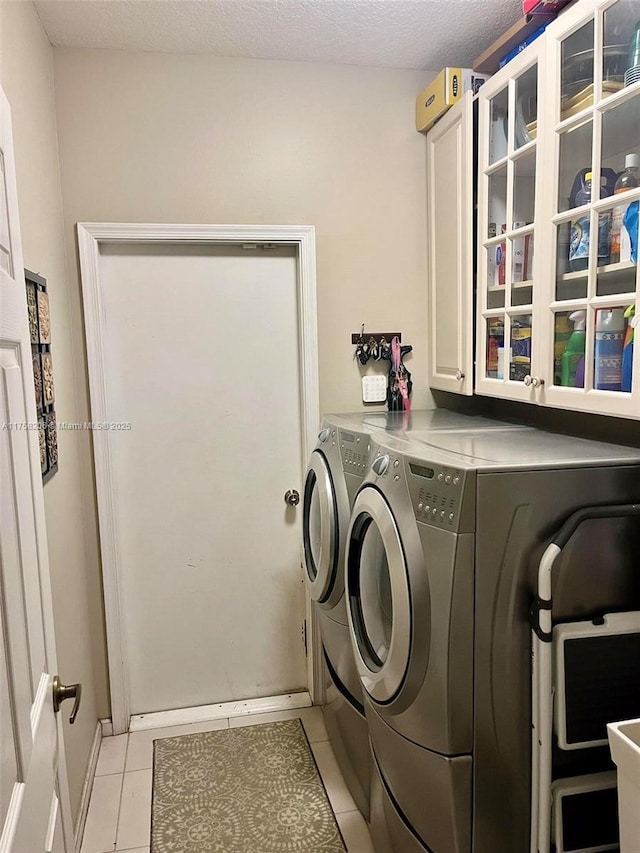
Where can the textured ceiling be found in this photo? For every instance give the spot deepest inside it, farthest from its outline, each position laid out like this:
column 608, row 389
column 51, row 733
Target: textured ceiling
column 420, row 34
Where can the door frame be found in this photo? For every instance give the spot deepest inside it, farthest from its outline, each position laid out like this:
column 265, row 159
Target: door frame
column 91, row 235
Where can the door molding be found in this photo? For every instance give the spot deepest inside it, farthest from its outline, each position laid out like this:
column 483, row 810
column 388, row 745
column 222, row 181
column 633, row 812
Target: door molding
column 90, row 236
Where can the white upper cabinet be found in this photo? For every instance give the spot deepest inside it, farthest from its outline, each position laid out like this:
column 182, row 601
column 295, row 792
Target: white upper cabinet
column 450, row 245
column 559, row 170
column 510, row 335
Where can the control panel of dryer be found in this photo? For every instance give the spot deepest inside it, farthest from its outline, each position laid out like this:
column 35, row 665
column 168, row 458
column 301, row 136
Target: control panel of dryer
column 436, row 493
column 354, row 451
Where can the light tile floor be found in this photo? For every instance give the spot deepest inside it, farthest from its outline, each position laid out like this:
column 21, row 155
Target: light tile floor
column 119, row 815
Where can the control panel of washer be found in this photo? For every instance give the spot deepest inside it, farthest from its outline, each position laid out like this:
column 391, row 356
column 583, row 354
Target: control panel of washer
column 354, row 451
column 436, row 494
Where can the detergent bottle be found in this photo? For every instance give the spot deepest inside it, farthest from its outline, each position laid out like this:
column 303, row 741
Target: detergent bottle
column 608, row 349
column 580, row 230
column 628, row 180
column 573, row 355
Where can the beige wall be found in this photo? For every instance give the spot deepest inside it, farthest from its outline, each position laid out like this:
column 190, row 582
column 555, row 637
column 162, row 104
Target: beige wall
column 150, row 137
column 26, row 75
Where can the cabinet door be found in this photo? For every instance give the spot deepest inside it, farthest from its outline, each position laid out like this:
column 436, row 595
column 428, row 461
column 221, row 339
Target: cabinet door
column 450, row 245
column 509, row 334
column 593, row 110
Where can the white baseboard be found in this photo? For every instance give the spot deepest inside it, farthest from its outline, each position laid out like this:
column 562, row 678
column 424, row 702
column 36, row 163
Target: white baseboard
column 87, row 787
column 107, row 727
column 201, row 713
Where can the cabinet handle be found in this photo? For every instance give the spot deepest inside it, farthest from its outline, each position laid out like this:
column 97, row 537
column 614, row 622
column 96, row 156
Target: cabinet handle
column 537, row 382
column 528, row 380
column 459, row 375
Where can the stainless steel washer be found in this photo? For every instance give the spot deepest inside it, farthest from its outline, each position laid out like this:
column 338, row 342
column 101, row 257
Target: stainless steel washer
column 442, row 552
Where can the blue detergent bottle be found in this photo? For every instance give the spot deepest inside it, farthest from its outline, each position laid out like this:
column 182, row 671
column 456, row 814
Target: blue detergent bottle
column 581, row 192
column 580, row 230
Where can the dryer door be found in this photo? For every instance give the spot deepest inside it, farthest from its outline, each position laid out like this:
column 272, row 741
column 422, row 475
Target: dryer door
column 320, row 531
column 379, row 606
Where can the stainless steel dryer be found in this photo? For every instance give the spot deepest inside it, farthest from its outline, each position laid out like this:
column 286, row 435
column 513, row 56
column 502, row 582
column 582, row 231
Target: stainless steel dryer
column 442, row 552
column 336, row 470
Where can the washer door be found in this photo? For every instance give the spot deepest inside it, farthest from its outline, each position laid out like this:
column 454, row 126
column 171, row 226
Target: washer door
column 320, row 529
column 379, row 605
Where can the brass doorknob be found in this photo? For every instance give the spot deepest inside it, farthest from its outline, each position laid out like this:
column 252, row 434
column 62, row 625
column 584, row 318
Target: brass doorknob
column 61, row 692
column 292, row 497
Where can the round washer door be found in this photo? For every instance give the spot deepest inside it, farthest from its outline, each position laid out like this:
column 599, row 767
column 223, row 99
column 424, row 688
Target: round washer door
column 379, row 602
column 320, row 529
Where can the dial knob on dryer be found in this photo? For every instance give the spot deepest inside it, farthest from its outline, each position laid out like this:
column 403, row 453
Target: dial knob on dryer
column 380, row 465
column 324, row 434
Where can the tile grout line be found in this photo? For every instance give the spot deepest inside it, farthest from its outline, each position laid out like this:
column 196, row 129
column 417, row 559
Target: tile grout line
column 124, row 770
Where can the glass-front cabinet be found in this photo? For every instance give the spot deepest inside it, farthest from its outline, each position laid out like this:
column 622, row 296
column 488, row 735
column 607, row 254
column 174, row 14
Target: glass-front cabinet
column 508, row 202
column 560, row 171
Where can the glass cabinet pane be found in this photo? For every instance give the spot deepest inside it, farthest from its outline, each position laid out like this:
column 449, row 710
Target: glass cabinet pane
column 497, row 202
column 576, row 72
column 526, row 117
column 496, row 267
column 621, row 46
column 499, row 119
column 520, row 355
column 575, row 163
column 570, row 283
column 620, row 139
column 524, row 192
column 611, row 329
column 568, row 348
column 522, row 258
column 495, row 348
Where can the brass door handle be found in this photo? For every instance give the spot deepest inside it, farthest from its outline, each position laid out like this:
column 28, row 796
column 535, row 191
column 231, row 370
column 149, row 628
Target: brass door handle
column 292, row 497
column 61, row 692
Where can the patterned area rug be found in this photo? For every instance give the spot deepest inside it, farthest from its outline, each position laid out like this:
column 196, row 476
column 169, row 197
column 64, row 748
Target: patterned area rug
column 254, row 789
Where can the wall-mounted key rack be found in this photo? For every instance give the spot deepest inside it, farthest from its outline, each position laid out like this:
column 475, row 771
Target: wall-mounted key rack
column 356, row 337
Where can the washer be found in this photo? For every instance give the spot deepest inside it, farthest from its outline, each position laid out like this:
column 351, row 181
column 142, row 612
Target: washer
column 337, row 467
column 443, row 545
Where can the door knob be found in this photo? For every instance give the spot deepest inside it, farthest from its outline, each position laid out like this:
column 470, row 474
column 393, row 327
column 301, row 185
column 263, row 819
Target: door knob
column 61, row 692
column 292, row 497
column 459, row 375
column 537, row 382
column 528, row 380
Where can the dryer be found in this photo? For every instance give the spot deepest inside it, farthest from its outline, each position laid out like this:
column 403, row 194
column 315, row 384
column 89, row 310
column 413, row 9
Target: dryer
column 337, row 467
column 441, row 563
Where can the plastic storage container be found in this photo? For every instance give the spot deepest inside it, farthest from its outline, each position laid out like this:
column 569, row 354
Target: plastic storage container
column 624, row 743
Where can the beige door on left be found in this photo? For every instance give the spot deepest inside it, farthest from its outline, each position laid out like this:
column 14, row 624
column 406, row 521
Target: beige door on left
column 34, row 800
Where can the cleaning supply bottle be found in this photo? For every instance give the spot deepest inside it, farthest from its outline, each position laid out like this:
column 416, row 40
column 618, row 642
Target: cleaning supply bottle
column 608, row 349
column 627, row 349
column 580, row 228
column 562, row 333
column 573, row 355
column 627, row 180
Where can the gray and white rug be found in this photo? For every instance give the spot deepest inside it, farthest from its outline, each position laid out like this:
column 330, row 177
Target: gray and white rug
column 254, row 789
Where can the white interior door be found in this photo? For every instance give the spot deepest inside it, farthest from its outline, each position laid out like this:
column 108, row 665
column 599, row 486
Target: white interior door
column 30, row 737
column 201, row 357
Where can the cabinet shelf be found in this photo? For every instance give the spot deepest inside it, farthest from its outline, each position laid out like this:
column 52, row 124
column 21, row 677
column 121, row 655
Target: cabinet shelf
column 518, row 285
column 607, row 270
